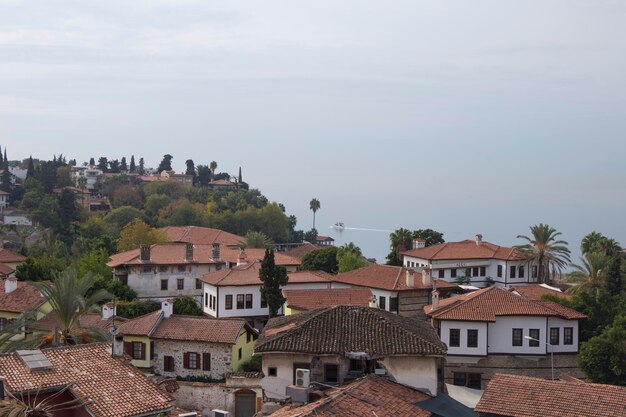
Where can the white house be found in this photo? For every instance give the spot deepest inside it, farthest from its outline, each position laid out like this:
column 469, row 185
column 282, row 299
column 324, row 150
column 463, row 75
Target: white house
column 89, row 173
column 473, row 261
column 4, row 200
column 497, row 328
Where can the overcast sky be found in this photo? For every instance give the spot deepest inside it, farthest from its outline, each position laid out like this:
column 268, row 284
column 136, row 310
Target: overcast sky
column 463, row 116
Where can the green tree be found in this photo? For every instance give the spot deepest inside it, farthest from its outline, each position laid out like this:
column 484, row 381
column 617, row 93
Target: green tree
column 213, row 166
column 92, row 162
column 273, row 278
column 613, row 282
column 103, row 164
column 349, row 248
column 187, row 306
column 136, row 308
column 589, row 275
column 311, row 236
column 314, row 205
column 123, row 165
column 350, row 261
column 64, row 177
column 191, row 169
column 400, row 240
column 166, row 163
column 142, row 169
column 597, row 242
column 432, row 237
column 132, row 167
column 204, row 175
column 30, row 171
column 255, row 240
column 545, row 250
column 40, row 268
column 603, row 357
column 154, row 204
column 117, row 218
column 322, row 259
column 137, row 233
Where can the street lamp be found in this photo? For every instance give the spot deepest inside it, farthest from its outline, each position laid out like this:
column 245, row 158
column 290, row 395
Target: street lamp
column 551, row 351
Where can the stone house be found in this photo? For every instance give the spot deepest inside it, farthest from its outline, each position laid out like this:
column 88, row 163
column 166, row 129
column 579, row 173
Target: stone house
column 496, row 328
column 342, row 343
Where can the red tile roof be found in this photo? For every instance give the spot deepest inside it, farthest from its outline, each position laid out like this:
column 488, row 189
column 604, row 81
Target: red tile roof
column 24, row 298
column 113, row 387
column 6, row 256
column 341, row 329
column 201, row 235
column 142, row 325
column 300, row 251
column 369, row 396
column 6, row 270
column 257, row 254
column 200, row 329
column 466, row 249
column 328, row 297
column 248, row 274
column 488, row 303
column 387, row 277
column 50, row 320
column 223, row 183
column 321, row 238
column 536, row 291
column 165, row 254
column 522, row 396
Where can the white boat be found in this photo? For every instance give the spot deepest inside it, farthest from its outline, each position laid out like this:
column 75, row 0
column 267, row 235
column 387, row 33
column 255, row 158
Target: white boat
column 338, row 226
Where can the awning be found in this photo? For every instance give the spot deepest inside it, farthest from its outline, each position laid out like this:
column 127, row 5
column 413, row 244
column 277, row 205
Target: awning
column 444, row 406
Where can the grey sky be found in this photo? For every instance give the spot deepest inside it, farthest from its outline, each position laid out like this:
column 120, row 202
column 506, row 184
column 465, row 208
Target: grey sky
column 481, row 116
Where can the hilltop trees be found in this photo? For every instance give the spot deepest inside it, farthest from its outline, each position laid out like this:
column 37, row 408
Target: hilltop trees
column 137, row 233
column 272, row 277
column 166, row 163
column 545, row 250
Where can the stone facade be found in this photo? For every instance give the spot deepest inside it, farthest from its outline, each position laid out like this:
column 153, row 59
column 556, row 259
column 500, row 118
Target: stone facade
column 535, row 366
column 221, row 358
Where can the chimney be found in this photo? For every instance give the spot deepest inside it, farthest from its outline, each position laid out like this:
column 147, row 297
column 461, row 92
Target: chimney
column 189, row 252
column 410, row 278
column 144, row 251
column 108, row 311
column 435, row 299
column 215, row 252
column 479, row 239
column 373, row 303
column 118, row 344
column 10, row 284
column 426, row 278
column 418, row 243
column 242, row 260
column 167, row 307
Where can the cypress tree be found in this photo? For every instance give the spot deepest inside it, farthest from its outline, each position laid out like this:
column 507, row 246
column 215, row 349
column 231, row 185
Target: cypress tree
column 30, row 171
column 240, row 181
column 123, row 165
column 141, row 168
column 132, row 163
column 272, row 277
column 92, row 161
column 1, row 160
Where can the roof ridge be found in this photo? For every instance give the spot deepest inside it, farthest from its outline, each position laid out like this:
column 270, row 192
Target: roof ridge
column 395, row 284
column 395, row 323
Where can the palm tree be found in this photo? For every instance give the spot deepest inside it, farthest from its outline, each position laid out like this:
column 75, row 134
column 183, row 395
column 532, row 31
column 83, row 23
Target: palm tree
column 314, row 205
column 544, row 250
column 400, row 240
column 70, row 297
column 590, row 274
column 255, row 240
column 213, row 166
column 349, row 248
column 597, row 242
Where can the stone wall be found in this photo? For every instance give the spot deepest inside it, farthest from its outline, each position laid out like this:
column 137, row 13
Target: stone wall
column 411, row 303
column 535, row 366
column 221, row 357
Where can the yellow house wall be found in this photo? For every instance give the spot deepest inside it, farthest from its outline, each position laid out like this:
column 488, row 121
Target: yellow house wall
column 290, row 311
column 247, row 350
column 145, row 363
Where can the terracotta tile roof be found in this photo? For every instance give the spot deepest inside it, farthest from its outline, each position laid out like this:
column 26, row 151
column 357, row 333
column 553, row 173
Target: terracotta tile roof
column 223, row 183
column 257, row 254
column 113, row 386
column 466, row 249
column 536, row 291
column 201, row 235
column 6, row 269
column 248, row 274
column 321, row 238
column 488, row 303
column 23, row 298
column 165, row 254
column 300, row 251
column 522, row 396
column 3, row 192
column 199, row 328
column 368, row 396
column 341, row 329
column 6, row 256
column 142, row 325
column 328, row 297
column 50, row 320
column 386, row 277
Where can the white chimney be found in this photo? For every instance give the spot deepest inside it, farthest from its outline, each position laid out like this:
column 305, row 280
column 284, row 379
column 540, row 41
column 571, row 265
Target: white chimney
column 373, row 303
column 410, row 278
column 426, row 278
column 479, row 239
column 118, row 345
column 242, row 260
column 167, row 307
column 10, row 284
column 108, row 311
column 419, row 243
column 435, row 301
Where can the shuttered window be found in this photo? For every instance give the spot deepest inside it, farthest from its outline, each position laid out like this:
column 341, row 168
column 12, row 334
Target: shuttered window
column 206, row 361
column 168, row 364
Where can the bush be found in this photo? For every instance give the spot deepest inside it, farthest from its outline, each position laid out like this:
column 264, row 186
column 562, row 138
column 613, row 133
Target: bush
column 187, row 306
column 252, row 365
column 132, row 309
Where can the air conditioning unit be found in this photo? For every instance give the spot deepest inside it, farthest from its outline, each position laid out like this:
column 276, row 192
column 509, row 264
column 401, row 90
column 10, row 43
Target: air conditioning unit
column 303, row 378
column 220, row 413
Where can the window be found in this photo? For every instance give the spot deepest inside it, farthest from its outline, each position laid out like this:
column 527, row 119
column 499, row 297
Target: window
column 382, row 303
column 214, row 297
column 534, row 271
column 240, row 303
column 534, row 333
column 517, row 337
column 263, row 303
column 248, row 300
column 139, row 350
column 474, row 272
column 455, row 338
column 469, row 380
column 442, row 273
column 198, row 284
column 568, row 336
column 163, row 268
column 147, row 269
column 180, row 284
column 331, row 373
column 554, row 336
column 521, row 272
column 453, row 273
column 163, row 285
column 472, row 338
column 393, row 304
column 206, row 361
column 240, row 354
column 3, row 322
column 206, row 299
column 191, row 360
column 272, row 372
column 499, row 271
column 356, row 365
column 181, row 268
column 228, row 302
column 513, row 269
column 168, row 364
column 483, row 271
column 211, row 304
column 152, row 355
